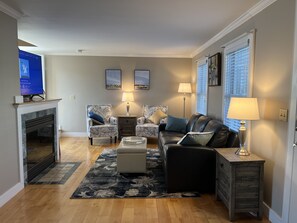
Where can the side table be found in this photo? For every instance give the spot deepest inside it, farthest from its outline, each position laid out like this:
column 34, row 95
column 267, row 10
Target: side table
column 126, row 125
column 239, row 181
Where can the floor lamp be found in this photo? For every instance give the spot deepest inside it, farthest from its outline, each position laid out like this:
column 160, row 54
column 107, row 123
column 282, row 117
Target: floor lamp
column 185, row 88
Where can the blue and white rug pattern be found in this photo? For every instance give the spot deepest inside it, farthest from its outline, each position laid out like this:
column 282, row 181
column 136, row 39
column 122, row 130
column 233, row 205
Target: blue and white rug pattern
column 103, row 180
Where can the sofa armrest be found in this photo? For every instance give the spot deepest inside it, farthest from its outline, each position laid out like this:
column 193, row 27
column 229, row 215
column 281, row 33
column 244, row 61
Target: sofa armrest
column 113, row 120
column 189, row 168
column 89, row 122
column 140, row 120
column 162, row 127
column 176, row 151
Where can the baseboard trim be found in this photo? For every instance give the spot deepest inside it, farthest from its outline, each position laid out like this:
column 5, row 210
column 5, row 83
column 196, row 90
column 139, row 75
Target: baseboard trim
column 10, row 193
column 73, row 134
column 271, row 214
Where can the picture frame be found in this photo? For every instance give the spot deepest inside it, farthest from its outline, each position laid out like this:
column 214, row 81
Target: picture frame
column 141, row 79
column 113, row 79
column 214, row 70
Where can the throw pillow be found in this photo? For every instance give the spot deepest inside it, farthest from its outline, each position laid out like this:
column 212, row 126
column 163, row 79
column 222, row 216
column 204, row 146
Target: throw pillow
column 175, row 124
column 97, row 117
column 95, row 122
column 196, row 138
column 157, row 116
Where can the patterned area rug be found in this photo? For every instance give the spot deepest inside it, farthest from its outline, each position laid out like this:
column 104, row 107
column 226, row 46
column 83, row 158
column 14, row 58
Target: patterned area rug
column 57, row 173
column 103, row 180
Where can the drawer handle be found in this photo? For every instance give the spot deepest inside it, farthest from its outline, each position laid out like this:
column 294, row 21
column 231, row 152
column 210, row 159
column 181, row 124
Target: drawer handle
column 222, row 165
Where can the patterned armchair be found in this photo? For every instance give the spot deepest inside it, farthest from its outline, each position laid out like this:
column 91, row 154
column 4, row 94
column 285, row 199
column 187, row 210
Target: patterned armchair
column 148, row 125
column 106, row 128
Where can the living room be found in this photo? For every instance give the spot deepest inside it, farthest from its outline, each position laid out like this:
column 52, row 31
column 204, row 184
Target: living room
column 80, row 80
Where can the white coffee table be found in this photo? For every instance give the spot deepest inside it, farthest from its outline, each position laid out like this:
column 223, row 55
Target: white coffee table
column 131, row 155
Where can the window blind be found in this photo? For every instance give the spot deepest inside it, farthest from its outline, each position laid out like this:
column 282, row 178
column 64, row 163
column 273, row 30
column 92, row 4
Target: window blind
column 201, row 105
column 237, row 61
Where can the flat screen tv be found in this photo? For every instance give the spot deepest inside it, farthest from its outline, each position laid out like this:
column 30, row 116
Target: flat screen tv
column 30, row 67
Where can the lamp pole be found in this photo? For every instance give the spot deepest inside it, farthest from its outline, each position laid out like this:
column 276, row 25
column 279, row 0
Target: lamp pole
column 184, row 105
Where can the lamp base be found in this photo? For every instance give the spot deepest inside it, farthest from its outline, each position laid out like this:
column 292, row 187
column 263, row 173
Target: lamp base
column 127, row 109
column 242, row 152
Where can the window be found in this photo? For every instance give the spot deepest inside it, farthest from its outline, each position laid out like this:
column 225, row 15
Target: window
column 238, row 61
column 201, row 103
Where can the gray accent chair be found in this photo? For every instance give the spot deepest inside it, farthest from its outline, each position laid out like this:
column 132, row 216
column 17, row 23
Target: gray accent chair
column 108, row 129
column 144, row 127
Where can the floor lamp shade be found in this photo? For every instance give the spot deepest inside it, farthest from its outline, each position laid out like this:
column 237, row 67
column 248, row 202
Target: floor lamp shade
column 185, row 88
column 243, row 109
column 127, row 97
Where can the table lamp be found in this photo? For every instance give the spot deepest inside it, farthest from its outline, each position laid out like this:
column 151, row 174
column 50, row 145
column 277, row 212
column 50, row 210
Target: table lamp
column 185, row 88
column 243, row 109
column 127, row 97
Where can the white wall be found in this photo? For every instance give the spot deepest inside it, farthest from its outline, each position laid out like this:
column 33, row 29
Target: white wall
column 9, row 86
column 272, row 80
column 83, row 78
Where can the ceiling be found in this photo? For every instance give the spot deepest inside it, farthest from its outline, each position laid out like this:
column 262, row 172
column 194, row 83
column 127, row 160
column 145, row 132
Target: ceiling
column 151, row 28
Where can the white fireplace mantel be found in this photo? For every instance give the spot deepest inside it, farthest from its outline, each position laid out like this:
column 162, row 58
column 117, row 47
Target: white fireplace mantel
column 28, row 107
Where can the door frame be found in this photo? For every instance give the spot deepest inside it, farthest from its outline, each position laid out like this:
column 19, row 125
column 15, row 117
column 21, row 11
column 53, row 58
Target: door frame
column 291, row 133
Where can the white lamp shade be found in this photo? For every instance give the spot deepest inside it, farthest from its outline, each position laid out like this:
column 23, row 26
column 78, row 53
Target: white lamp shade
column 184, row 88
column 128, row 96
column 243, row 109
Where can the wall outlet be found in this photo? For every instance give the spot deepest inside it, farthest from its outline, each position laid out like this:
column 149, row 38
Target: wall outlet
column 283, row 115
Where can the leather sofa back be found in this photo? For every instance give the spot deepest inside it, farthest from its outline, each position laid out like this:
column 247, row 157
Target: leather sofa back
column 201, row 123
column 221, row 133
column 192, row 121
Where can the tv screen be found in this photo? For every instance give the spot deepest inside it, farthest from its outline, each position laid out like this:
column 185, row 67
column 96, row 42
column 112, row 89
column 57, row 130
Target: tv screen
column 30, row 66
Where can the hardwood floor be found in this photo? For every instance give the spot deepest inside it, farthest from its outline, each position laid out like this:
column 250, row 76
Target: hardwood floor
column 51, row 203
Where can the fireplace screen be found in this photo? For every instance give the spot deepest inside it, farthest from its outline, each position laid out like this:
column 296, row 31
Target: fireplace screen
column 39, row 144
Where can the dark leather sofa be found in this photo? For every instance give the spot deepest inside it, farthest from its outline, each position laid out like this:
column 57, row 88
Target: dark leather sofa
column 192, row 168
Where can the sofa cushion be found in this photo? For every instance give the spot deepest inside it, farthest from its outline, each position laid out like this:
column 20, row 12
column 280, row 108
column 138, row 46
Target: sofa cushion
column 196, row 138
column 157, row 116
column 176, row 124
column 191, row 122
column 221, row 133
column 200, row 124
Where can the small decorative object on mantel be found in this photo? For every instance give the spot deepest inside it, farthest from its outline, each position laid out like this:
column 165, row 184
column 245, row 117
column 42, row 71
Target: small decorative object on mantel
column 141, row 79
column 214, row 70
column 113, row 79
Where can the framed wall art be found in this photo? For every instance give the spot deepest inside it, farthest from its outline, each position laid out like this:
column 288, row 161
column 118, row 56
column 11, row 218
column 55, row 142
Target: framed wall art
column 214, row 70
column 113, row 79
column 141, row 79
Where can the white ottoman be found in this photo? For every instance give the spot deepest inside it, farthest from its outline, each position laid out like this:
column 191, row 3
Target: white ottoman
column 131, row 156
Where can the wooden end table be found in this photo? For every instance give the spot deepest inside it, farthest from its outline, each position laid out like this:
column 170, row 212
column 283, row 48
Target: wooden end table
column 239, row 181
column 126, row 125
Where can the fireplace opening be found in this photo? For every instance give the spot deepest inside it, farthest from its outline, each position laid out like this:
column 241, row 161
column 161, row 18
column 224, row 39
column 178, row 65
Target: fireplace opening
column 39, row 144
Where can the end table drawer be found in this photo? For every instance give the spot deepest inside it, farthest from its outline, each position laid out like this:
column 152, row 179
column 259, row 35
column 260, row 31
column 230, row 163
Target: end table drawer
column 127, row 121
column 126, row 125
column 224, row 166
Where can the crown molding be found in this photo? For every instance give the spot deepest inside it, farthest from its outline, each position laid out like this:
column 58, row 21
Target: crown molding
column 10, row 11
column 235, row 24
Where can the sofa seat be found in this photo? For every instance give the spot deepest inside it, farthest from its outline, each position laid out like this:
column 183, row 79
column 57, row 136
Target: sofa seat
column 147, row 130
column 107, row 130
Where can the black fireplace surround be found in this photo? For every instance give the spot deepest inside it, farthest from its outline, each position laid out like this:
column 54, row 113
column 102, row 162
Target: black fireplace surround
column 40, row 146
